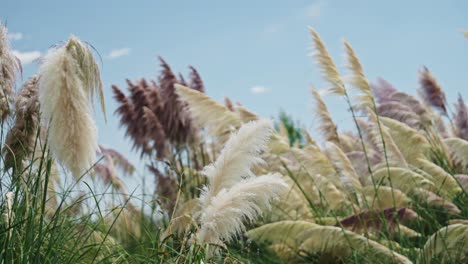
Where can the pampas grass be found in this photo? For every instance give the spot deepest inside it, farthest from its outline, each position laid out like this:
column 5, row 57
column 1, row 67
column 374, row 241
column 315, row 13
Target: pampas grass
column 208, row 113
column 449, row 244
column 234, row 194
column 20, row 139
column 223, row 217
column 9, row 66
column 235, row 162
column 69, row 79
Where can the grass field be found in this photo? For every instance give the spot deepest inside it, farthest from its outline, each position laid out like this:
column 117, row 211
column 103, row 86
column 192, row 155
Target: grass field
column 231, row 186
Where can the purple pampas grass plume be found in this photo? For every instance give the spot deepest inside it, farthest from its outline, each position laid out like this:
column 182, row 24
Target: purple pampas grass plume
column 382, row 90
column 460, row 118
column 195, row 80
column 166, row 188
column 431, row 91
column 182, row 80
column 20, row 139
column 175, row 119
column 155, row 132
column 125, row 110
column 228, row 104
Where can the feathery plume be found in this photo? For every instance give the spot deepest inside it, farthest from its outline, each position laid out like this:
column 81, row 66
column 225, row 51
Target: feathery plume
column 125, row 110
column 177, row 124
column 196, row 82
column 341, row 243
column 463, row 180
column 461, row 118
column 166, row 188
column 155, row 131
column 119, row 160
column 384, row 197
column 326, row 64
column 327, row 126
column 20, row 139
column 382, row 90
column 403, row 179
column 400, row 112
column 207, row 112
column 9, row 65
column 406, row 138
column 246, row 115
column 358, row 79
column 223, row 216
column 237, row 157
column 286, row 232
column 427, row 197
column 431, row 91
column 448, row 243
column 342, row 165
column 228, row 104
column 458, row 149
column 69, row 79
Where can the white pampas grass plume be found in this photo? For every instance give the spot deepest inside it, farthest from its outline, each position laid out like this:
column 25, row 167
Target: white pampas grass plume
column 326, row 127
column 341, row 243
column 237, row 157
column 69, row 79
column 208, row 113
column 459, row 149
column 327, row 66
column 286, row 232
column 223, row 217
column 9, row 66
column 448, row 244
column 358, row 79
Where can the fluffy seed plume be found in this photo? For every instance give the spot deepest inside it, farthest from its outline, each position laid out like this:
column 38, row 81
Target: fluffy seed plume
column 326, row 64
column 358, row 79
column 20, row 139
column 237, row 157
column 448, row 244
column 9, row 66
column 327, row 126
column 461, row 118
column 341, row 243
column 69, row 79
column 382, row 90
column 196, row 82
column 177, row 124
column 207, row 112
column 247, row 199
column 431, row 91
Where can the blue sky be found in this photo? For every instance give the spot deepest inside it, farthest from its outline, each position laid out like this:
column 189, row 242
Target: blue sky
column 255, row 52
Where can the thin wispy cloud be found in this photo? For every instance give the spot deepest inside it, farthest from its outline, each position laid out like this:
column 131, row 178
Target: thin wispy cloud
column 314, row 10
column 27, row 57
column 274, row 28
column 15, row 35
column 117, row 53
column 258, row 89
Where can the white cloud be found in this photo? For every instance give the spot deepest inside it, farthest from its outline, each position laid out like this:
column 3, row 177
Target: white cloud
column 314, row 10
column 258, row 89
column 117, row 53
column 27, row 57
column 15, row 35
column 274, row 28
